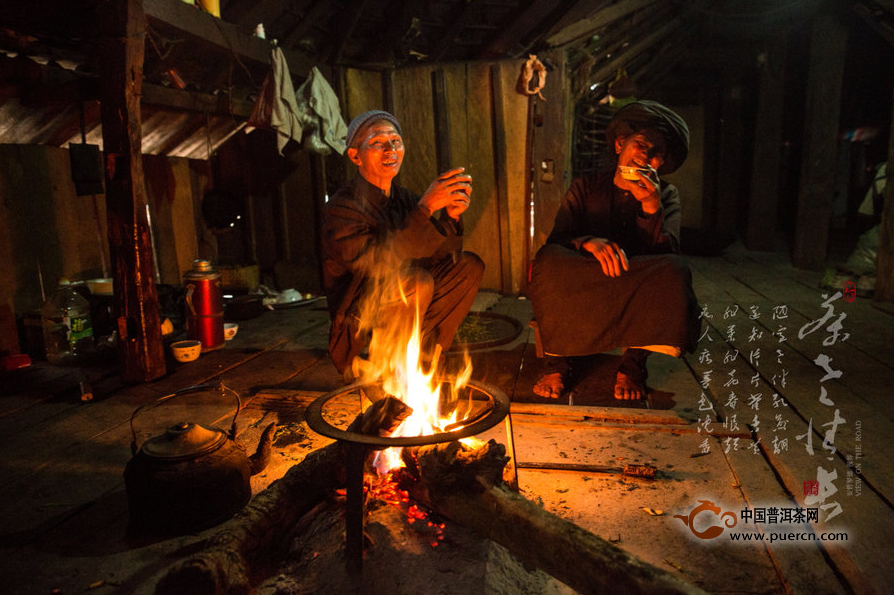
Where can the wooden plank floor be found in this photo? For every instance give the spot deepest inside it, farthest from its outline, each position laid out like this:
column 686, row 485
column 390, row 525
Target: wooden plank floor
column 730, row 423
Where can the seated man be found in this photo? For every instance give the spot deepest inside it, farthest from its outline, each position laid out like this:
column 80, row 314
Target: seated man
column 610, row 274
column 389, row 253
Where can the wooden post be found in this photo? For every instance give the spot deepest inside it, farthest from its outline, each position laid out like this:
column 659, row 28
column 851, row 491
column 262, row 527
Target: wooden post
column 818, row 161
column 731, row 172
column 711, row 164
column 763, row 206
column 120, row 57
column 550, row 151
column 502, row 181
column 884, row 283
column 442, row 119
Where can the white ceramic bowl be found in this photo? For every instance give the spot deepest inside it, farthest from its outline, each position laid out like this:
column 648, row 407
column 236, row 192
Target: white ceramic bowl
column 230, row 329
column 186, row 351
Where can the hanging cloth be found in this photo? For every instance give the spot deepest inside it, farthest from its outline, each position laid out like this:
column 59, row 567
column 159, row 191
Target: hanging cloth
column 321, row 116
column 277, row 107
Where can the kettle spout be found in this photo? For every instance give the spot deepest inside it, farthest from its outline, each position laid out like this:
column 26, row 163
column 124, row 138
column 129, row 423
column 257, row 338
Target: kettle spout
column 258, row 461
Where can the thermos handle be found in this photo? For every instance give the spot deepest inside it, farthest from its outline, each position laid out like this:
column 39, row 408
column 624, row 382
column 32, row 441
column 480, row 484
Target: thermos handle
column 220, row 385
column 189, row 290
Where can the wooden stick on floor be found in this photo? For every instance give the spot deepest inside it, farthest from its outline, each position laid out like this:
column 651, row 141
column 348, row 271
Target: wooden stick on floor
column 465, row 485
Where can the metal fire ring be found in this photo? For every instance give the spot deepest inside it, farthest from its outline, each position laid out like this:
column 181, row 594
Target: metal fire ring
column 499, row 409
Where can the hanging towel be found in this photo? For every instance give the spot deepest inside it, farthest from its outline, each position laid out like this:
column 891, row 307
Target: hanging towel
column 323, row 119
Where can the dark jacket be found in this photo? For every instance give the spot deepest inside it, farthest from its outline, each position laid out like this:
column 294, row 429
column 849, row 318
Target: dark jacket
column 595, row 207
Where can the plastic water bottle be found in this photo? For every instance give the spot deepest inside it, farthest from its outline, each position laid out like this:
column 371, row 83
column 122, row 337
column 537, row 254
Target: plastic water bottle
column 67, row 328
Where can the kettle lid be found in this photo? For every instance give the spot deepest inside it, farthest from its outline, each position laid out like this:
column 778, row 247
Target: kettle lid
column 184, row 441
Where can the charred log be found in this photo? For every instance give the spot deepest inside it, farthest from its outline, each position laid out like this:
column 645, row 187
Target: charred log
column 466, row 486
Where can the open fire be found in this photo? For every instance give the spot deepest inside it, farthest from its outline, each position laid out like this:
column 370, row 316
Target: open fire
column 414, row 402
column 398, row 364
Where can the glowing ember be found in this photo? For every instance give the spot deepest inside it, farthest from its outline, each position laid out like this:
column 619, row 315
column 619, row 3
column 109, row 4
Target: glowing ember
column 386, row 489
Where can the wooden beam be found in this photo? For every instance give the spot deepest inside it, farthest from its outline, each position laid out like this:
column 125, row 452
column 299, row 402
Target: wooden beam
column 881, row 26
column 265, row 11
column 602, row 17
column 120, row 56
column 828, row 46
column 220, row 105
column 187, row 20
column 652, row 76
column 294, row 36
column 400, row 23
column 470, row 9
column 607, row 71
column 350, row 24
column 512, row 35
column 574, row 11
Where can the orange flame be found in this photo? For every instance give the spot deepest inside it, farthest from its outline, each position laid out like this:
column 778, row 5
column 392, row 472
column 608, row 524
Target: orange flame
column 397, row 362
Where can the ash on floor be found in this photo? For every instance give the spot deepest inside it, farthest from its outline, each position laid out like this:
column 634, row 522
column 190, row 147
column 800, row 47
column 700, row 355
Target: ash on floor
column 403, row 558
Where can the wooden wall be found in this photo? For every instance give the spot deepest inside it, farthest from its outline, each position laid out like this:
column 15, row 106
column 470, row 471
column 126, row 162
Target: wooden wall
column 47, row 231
column 552, row 125
column 176, row 213
column 689, row 179
column 483, row 126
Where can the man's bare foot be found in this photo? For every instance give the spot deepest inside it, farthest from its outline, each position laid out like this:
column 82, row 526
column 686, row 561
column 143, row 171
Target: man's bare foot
column 551, row 386
column 630, row 382
column 628, row 388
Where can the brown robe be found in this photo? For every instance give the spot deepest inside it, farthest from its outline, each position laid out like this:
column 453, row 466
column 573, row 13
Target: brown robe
column 367, row 235
column 580, row 310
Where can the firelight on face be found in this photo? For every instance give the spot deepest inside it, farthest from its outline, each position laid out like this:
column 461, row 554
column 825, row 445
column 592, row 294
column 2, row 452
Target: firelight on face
column 642, row 149
column 379, row 154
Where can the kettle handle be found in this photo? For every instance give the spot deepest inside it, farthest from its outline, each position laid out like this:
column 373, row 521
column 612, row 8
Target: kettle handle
column 198, row 387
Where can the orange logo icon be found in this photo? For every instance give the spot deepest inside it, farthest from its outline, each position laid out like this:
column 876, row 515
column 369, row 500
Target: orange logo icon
column 712, row 531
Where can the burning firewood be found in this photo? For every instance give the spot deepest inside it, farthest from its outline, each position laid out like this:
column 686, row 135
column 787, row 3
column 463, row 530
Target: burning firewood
column 224, row 566
column 466, row 486
column 381, row 419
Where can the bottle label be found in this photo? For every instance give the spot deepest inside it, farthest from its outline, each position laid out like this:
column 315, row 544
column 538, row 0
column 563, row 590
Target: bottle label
column 80, row 328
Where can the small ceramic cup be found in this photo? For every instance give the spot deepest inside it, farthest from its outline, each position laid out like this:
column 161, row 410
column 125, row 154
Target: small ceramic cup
column 186, row 351
column 230, row 329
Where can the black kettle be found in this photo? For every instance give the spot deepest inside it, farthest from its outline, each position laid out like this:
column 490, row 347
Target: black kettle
column 191, row 477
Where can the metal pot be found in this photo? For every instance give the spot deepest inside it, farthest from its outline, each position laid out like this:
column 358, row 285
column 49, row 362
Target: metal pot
column 191, row 477
column 243, row 307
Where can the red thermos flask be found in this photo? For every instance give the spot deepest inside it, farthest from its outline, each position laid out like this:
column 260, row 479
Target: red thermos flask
column 204, row 305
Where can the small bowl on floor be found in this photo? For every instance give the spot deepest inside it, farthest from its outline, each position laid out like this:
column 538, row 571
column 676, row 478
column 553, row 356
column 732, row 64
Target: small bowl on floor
column 230, row 329
column 186, row 351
